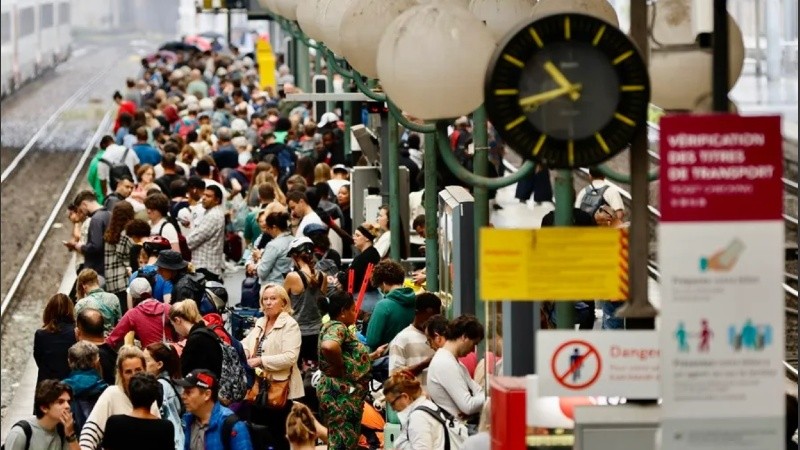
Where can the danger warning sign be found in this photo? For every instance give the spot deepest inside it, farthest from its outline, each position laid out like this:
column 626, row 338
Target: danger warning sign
column 578, row 363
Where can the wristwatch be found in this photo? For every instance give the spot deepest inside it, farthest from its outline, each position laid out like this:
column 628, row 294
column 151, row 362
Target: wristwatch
column 72, row 438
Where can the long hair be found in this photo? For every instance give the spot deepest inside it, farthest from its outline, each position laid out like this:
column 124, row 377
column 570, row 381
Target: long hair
column 127, row 352
column 168, row 356
column 121, row 215
column 59, row 309
column 300, row 426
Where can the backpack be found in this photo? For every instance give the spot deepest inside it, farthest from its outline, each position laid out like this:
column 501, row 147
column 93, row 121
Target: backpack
column 260, row 436
column 186, row 252
column 232, row 380
column 456, row 432
column 190, row 286
column 117, row 170
column 593, row 199
column 81, row 408
column 26, row 428
column 286, row 162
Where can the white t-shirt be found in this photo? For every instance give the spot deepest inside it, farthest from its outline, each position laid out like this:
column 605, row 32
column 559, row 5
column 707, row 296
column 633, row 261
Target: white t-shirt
column 409, row 348
column 159, row 169
column 335, row 185
column 611, row 195
column 383, row 243
column 308, row 219
column 113, row 155
column 169, row 233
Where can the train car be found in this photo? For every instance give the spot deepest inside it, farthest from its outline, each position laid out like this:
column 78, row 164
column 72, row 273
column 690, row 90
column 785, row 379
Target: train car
column 36, row 36
column 64, row 30
column 48, row 38
column 8, row 63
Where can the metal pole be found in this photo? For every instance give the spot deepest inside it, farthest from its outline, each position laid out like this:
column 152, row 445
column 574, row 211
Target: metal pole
column 393, row 173
column 348, row 122
column 229, row 27
column 480, row 167
column 329, row 106
column 431, row 215
column 638, row 311
column 564, row 192
column 719, row 82
column 759, row 53
column 773, row 47
column 302, row 70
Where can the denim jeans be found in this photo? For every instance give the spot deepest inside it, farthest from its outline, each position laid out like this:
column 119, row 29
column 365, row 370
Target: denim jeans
column 609, row 321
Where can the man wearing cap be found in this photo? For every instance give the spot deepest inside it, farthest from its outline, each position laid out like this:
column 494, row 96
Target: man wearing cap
column 204, row 421
column 172, row 268
column 148, row 319
column 340, row 176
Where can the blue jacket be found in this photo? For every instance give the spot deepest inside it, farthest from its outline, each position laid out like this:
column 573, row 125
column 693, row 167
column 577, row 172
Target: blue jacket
column 240, row 437
column 147, row 154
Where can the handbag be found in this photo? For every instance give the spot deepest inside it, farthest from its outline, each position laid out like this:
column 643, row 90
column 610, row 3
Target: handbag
column 275, row 392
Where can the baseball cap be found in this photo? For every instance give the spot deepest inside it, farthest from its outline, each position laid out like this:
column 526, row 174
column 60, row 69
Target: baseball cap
column 138, row 287
column 327, row 118
column 340, row 168
column 202, row 378
column 314, row 228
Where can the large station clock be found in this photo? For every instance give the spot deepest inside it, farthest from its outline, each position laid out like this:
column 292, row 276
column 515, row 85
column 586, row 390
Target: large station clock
column 567, row 90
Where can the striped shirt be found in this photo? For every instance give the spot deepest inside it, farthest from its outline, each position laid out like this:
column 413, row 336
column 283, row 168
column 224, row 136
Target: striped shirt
column 409, row 348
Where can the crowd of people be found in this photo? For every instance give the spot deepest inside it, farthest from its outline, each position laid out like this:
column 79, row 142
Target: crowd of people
column 206, row 174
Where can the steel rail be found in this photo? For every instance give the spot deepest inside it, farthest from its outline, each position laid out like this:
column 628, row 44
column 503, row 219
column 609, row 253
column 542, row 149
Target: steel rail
column 103, row 127
column 85, row 88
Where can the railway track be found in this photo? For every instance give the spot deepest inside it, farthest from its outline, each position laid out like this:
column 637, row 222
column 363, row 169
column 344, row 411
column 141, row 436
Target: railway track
column 65, row 192
column 48, row 129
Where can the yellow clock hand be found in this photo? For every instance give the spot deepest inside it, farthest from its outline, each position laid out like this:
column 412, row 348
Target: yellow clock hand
column 536, row 99
column 560, row 79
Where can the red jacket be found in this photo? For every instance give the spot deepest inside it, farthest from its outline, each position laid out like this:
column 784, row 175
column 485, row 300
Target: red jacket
column 126, row 106
column 149, row 320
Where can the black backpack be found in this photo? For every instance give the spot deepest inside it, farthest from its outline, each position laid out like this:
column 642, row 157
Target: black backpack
column 593, row 199
column 117, row 170
column 81, row 408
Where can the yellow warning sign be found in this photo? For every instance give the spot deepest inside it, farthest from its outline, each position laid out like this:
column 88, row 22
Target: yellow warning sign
column 571, row 263
column 266, row 65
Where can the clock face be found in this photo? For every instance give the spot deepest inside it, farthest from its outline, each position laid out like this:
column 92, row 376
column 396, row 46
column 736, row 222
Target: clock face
column 568, row 90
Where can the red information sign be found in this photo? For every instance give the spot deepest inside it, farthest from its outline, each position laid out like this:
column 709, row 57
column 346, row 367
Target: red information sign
column 720, row 168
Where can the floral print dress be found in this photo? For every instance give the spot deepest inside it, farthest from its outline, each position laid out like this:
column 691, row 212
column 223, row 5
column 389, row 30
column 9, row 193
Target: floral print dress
column 341, row 399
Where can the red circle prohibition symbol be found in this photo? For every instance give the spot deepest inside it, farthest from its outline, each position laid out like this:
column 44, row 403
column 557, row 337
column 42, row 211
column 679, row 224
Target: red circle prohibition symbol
column 573, row 367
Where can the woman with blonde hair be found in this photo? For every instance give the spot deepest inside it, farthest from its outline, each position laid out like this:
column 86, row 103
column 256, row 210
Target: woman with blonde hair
column 114, row 400
column 322, row 173
column 117, row 252
column 202, row 349
column 403, row 392
column 303, row 429
column 272, row 348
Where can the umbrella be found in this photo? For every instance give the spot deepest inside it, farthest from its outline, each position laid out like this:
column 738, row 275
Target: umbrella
column 213, row 35
column 198, row 41
column 177, row 46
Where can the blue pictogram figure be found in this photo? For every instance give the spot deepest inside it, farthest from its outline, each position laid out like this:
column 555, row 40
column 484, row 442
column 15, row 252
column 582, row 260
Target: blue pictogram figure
column 575, row 364
column 682, row 336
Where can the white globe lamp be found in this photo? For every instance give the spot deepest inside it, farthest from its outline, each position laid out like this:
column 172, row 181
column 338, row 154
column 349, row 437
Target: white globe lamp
column 597, row 8
column 502, row 16
column 307, row 18
column 329, row 20
column 432, row 60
